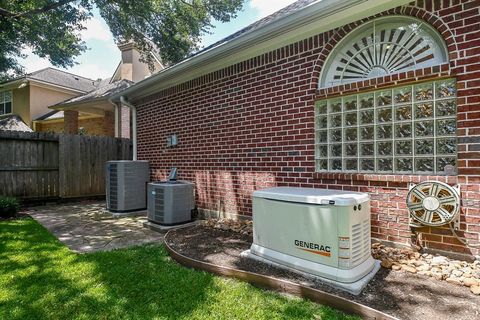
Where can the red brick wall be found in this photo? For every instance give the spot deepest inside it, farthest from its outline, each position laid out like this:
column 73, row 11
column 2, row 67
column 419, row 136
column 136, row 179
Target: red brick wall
column 91, row 126
column 70, row 122
column 251, row 126
column 109, row 124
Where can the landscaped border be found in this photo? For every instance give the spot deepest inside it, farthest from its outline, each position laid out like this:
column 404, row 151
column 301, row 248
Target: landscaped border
column 280, row 285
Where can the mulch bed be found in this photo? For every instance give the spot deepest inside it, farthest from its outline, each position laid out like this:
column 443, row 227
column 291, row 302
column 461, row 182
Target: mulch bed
column 400, row 294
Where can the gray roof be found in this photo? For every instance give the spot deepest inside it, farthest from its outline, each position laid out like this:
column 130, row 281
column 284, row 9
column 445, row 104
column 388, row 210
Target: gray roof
column 54, row 114
column 297, row 5
column 13, row 122
column 171, row 70
column 64, row 79
column 103, row 92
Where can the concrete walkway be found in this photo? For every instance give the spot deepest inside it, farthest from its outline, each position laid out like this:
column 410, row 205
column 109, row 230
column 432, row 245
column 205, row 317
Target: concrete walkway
column 87, row 227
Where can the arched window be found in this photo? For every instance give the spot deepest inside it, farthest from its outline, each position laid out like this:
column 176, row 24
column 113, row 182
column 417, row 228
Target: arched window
column 383, row 46
column 409, row 129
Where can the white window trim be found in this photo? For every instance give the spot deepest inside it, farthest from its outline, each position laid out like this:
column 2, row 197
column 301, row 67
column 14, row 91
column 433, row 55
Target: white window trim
column 2, row 102
column 330, row 62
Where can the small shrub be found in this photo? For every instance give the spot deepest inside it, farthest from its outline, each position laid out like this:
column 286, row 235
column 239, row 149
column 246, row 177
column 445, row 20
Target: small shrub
column 82, row 131
column 8, row 207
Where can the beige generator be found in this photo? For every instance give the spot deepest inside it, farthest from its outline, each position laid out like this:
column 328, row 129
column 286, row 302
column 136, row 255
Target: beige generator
column 325, row 233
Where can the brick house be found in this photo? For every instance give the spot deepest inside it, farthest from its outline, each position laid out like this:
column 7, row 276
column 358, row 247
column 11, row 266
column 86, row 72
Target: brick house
column 353, row 95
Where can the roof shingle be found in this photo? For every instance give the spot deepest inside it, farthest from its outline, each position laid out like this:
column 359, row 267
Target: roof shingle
column 13, row 122
column 103, row 92
column 64, row 79
column 297, row 5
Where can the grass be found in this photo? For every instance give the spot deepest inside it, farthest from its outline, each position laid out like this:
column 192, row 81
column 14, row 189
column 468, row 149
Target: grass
column 41, row 279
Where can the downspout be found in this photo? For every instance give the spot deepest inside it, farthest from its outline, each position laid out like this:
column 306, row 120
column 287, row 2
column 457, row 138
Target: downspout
column 117, row 120
column 134, row 125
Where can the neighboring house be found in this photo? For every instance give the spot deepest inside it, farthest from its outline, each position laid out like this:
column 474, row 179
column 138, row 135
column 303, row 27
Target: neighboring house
column 356, row 95
column 29, row 96
column 80, row 105
column 92, row 112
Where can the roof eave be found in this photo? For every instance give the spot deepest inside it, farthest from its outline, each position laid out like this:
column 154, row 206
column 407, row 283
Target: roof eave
column 53, row 85
column 66, row 106
column 327, row 14
column 12, row 83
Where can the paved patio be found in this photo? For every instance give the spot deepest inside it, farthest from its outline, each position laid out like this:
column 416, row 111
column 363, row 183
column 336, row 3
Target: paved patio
column 87, row 227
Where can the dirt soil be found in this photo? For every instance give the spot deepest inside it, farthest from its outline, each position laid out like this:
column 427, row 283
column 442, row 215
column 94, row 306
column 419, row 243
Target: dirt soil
column 400, row 294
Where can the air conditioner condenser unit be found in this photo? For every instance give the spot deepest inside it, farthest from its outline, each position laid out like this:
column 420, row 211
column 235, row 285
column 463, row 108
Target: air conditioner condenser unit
column 316, row 232
column 126, row 184
column 170, row 203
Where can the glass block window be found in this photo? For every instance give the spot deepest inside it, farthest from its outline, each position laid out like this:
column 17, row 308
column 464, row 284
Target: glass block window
column 5, row 102
column 405, row 130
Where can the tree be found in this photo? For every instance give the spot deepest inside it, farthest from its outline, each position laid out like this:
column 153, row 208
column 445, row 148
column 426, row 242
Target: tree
column 51, row 27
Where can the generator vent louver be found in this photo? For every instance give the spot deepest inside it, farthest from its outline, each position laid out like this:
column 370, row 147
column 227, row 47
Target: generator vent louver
column 170, row 202
column 367, row 245
column 360, row 242
column 126, row 185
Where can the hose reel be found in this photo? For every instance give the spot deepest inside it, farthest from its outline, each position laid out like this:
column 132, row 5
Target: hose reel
column 434, row 204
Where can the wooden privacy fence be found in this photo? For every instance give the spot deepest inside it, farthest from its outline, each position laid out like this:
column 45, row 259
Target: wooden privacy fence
column 37, row 165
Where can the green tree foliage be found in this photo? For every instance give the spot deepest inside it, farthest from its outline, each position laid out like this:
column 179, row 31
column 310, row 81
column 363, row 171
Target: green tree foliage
column 51, row 27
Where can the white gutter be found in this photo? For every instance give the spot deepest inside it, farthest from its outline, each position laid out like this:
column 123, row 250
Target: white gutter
column 134, row 125
column 320, row 16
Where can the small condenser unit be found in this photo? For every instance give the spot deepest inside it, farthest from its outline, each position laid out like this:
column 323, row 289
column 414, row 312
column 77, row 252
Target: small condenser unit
column 126, row 183
column 322, row 232
column 171, row 202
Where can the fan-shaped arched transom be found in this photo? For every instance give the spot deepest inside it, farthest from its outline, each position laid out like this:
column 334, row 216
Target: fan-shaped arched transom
column 383, row 46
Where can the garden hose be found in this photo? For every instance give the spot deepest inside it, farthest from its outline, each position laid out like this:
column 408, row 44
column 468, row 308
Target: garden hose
column 462, row 240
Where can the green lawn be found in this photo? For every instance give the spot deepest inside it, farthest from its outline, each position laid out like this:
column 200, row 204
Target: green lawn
column 41, row 279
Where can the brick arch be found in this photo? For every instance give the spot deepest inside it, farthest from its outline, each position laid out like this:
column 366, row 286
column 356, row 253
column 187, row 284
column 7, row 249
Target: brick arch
column 338, row 34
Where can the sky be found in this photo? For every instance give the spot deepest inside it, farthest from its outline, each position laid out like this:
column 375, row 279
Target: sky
column 103, row 56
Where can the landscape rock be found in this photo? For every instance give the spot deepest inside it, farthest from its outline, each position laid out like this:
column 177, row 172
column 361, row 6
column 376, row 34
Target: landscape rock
column 437, row 276
column 396, row 267
column 409, row 269
column 386, row 263
column 439, row 260
column 468, row 282
column 475, row 289
column 439, row 268
column 424, row 267
column 239, row 226
column 454, row 280
column 457, row 273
